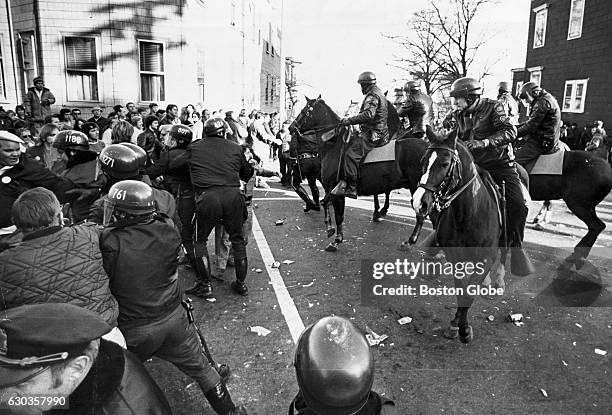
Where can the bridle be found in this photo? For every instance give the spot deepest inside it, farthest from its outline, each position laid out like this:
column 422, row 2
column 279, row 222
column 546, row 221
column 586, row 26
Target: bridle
column 445, row 193
column 296, row 125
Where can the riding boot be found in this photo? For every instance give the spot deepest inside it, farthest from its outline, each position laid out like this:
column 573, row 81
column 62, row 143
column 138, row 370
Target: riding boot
column 351, row 189
column 304, row 196
column 315, row 197
column 203, row 287
column 239, row 286
column 221, row 401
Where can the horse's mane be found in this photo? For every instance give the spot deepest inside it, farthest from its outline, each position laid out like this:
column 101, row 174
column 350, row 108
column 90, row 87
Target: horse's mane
column 332, row 113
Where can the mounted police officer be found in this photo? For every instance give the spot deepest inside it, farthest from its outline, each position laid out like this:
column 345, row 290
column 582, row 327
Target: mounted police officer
column 418, row 107
column 140, row 255
column 374, row 133
column 217, row 165
column 543, row 126
column 304, row 149
column 335, row 372
column 504, row 96
column 486, row 130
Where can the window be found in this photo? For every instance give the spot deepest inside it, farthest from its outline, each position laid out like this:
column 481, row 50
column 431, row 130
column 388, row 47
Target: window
column 535, row 75
column 574, row 95
column 27, row 43
column 200, row 73
column 81, row 68
column 539, row 33
column 152, row 71
column 272, row 50
column 267, row 47
column 2, row 78
column 574, row 30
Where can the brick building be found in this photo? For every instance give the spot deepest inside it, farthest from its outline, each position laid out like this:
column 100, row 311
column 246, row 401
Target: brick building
column 569, row 53
column 222, row 53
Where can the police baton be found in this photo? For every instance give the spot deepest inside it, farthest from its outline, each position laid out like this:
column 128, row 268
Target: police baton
column 223, row 370
column 503, row 212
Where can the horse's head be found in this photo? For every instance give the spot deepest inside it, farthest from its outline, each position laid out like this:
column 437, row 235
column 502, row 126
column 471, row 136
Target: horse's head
column 314, row 114
column 441, row 166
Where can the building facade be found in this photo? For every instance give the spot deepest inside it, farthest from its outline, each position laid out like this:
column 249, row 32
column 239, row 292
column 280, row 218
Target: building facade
column 224, row 54
column 569, row 53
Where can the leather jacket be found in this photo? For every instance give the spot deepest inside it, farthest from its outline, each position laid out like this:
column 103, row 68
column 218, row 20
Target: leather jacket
column 418, row 109
column 511, row 107
column 487, row 120
column 544, row 123
column 373, row 116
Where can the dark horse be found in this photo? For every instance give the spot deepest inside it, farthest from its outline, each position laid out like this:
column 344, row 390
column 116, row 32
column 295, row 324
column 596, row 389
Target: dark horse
column 585, row 182
column 464, row 213
column 375, row 178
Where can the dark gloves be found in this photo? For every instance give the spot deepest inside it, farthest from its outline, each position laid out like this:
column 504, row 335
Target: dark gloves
column 345, row 121
column 477, row 144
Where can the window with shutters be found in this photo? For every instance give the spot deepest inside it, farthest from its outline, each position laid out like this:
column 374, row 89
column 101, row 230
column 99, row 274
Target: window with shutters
column 81, row 68
column 151, row 71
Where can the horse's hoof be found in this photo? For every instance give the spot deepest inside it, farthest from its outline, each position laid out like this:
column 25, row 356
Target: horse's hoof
column 376, row 217
column 383, row 212
column 331, row 232
column 538, row 227
column 468, row 337
column 451, row 332
column 332, row 247
column 404, row 246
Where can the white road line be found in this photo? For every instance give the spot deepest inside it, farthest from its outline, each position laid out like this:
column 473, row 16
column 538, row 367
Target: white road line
column 287, row 306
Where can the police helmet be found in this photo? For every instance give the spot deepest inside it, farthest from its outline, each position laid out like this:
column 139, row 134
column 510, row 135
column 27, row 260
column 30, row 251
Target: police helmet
column 334, row 367
column 412, row 86
column 214, row 127
column 182, row 135
column 141, row 154
column 366, row 78
column 463, row 87
column 119, row 161
column 128, row 197
column 504, row 86
column 71, row 140
column 530, row 88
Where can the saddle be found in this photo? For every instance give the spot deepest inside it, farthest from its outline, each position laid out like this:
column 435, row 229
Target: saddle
column 382, row 153
column 549, row 164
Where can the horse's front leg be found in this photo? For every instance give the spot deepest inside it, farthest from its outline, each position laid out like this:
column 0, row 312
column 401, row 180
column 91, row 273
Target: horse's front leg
column 338, row 205
column 385, row 208
column 459, row 326
column 377, row 215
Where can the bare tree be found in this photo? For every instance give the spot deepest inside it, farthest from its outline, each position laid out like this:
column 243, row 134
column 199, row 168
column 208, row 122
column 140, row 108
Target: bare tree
column 442, row 45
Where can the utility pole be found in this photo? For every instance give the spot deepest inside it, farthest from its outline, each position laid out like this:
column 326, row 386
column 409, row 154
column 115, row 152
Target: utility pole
column 290, row 84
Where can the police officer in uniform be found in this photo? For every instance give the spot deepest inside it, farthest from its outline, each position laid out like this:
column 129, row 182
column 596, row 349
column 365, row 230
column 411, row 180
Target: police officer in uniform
column 172, row 164
column 486, row 130
column 217, row 165
column 335, row 372
column 504, row 96
column 119, row 162
column 304, row 149
column 418, row 108
column 374, row 133
column 140, row 255
column 543, row 126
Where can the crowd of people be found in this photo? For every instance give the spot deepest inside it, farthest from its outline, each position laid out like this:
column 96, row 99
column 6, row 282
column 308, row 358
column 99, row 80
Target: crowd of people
column 98, row 213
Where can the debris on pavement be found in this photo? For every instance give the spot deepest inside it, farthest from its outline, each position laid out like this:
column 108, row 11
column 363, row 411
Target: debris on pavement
column 564, row 362
column 375, row 339
column 544, row 393
column 578, row 325
column 211, row 300
column 288, row 262
column 404, row 320
column 601, row 352
column 309, row 284
column 261, row 331
column 258, row 270
column 516, row 318
column 275, row 264
column 298, row 228
column 279, row 222
column 491, row 317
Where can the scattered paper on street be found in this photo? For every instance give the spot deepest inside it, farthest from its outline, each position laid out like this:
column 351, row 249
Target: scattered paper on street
column 404, row 320
column 261, row 331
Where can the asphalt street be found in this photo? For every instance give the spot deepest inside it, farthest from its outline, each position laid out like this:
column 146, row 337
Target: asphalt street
column 548, row 365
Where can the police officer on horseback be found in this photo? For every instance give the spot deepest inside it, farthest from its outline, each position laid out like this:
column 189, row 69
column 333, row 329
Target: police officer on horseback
column 504, row 96
column 374, row 133
column 485, row 128
column 543, row 126
column 418, row 109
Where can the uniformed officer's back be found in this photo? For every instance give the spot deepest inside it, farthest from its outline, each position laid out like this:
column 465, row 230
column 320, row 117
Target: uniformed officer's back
column 215, row 161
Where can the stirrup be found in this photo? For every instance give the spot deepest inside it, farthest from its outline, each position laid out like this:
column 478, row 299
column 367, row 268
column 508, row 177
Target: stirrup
column 339, row 189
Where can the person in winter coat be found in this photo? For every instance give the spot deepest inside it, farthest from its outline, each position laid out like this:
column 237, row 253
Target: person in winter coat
column 38, row 101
